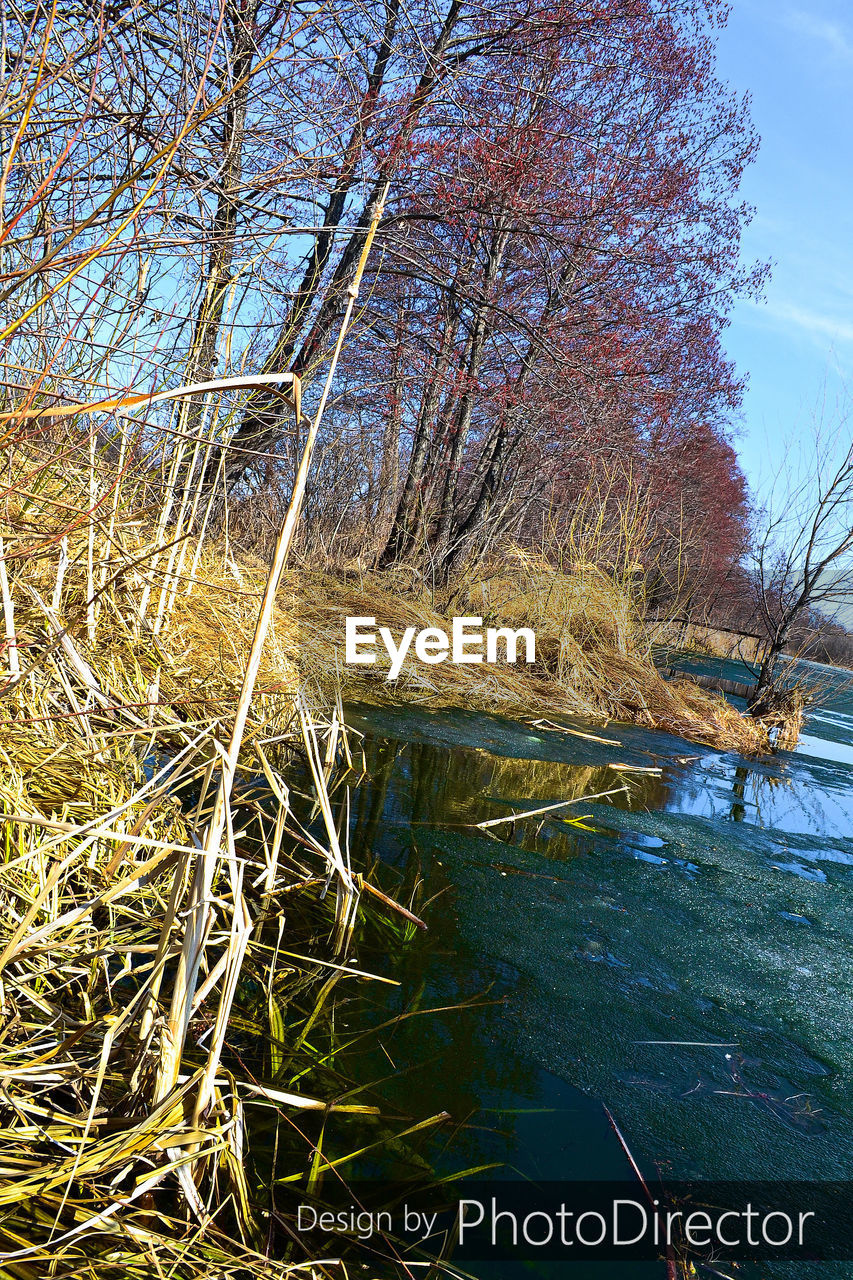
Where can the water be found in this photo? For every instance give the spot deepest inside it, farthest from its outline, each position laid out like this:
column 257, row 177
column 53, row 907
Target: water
column 685, row 961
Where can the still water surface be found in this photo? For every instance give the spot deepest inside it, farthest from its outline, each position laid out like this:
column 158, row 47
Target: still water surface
column 687, row 961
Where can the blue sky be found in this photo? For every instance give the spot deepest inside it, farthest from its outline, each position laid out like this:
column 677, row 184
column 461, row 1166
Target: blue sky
column 796, row 61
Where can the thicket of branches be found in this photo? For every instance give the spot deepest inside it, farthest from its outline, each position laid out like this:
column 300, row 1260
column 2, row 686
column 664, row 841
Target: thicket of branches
column 186, row 189
column 797, row 584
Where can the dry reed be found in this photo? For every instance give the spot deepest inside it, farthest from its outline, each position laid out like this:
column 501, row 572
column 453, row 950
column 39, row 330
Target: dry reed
column 124, row 1124
column 593, row 651
column 99, row 840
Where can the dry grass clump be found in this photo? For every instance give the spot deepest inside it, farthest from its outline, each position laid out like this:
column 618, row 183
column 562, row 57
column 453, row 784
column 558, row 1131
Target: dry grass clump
column 783, row 713
column 156, row 630
column 132, row 938
column 593, row 652
column 124, row 590
column 101, row 1176
column 321, row 602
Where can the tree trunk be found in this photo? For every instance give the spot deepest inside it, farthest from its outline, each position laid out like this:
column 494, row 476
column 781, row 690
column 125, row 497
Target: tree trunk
column 766, row 688
column 389, row 471
column 261, row 423
column 408, row 518
column 202, row 357
column 496, row 456
column 201, row 365
column 459, row 435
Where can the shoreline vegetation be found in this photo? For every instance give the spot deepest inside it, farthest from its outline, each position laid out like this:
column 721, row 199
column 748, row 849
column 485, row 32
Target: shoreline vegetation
column 154, row 1023
column 166, row 622
column 594, row 650
column 126, row 648
column 527, row 417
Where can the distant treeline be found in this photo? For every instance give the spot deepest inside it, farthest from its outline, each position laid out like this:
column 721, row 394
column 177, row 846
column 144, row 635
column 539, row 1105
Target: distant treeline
column 832, row 644
column 813, row 634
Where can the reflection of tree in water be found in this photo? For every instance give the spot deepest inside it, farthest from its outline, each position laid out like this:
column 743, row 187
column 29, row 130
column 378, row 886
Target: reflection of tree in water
column 452, row 1060
column 418, row 784
column 739, row 789
column 776, row 799
column 761, row 791
column 462, row 1059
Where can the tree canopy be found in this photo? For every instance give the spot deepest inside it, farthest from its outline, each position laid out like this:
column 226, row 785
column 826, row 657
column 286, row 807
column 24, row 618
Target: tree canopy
column 186, row 191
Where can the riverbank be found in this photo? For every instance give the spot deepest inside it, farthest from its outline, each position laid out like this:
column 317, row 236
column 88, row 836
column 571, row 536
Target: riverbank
column 594, row 652
column 141, row 964
column 164, row 617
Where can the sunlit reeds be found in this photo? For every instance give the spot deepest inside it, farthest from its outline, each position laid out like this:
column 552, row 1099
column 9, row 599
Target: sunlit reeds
column 112, row 748
column 142, row 743
column 593, row 651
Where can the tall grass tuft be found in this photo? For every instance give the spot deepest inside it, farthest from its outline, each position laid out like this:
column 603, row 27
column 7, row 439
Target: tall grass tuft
column 150, row 705
column 594, row 652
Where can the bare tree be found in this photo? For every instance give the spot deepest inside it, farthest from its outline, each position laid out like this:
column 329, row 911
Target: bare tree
column 803, row 558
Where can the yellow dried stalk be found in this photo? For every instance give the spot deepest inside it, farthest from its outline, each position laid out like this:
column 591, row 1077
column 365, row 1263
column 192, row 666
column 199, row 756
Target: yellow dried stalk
column 200, row 915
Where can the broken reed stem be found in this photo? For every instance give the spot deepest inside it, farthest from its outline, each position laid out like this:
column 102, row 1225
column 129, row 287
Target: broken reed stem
column 90, row 546
column 547, row 808
column 56, row 598
column 347, row 897
column 9, row 617
column 200, row 913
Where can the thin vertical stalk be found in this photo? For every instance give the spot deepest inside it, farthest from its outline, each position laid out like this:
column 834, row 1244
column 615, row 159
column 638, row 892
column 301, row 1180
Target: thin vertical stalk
column 105, row 559
column 178, row 549
column 220, row 471
column 90, row 545
column 9, row 617
column 165, row 512
column 61, row 568
column 200, row 913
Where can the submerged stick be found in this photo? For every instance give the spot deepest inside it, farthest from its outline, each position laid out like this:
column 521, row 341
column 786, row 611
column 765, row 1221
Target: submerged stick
column 671, row 1271
column 546, row 808
column 389, row 902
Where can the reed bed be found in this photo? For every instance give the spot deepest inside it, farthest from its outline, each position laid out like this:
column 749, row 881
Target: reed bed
column 178, row 920
column 123, row 1109
column 593, row 650
column 148, row 1003
column 154, row 851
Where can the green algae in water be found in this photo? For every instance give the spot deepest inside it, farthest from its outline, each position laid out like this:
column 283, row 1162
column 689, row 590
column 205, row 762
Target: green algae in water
column 687, row 962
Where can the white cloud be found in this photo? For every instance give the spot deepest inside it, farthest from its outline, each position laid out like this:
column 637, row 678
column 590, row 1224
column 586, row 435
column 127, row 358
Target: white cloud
column 831, row 34
column 811, row 322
